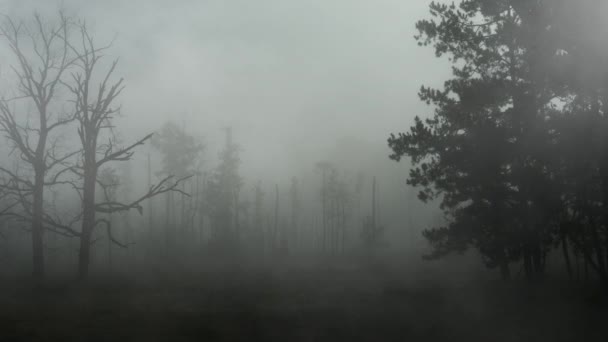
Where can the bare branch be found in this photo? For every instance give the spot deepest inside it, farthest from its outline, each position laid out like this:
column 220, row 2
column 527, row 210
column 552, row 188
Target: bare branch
column 155, row 190
column 123, row 154
column 110, row 235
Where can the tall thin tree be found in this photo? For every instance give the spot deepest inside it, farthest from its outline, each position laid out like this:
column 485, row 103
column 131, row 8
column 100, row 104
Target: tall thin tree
column 43, row 56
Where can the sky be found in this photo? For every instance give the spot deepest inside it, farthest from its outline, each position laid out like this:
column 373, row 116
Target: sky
column 291, row 77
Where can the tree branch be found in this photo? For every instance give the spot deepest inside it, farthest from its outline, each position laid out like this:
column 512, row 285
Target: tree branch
column 162, row 187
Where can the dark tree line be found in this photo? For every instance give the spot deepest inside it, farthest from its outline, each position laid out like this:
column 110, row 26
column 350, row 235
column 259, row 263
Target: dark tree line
column 516, row 149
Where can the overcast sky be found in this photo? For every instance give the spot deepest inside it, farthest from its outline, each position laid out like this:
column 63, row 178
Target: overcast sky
column 289, row 76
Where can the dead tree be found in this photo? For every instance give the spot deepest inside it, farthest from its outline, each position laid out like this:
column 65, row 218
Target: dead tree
column 42, row 58
column 258, row 219
column 275, row 229
column 371, row 232
column 180, row 152
column 294, row 197
column 374, row 204
column 109, row 183
column 95, row 111
column 325, row 169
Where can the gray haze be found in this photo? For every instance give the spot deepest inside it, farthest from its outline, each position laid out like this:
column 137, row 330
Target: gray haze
column 290, row 77
column 299, row 83
column 275, row 212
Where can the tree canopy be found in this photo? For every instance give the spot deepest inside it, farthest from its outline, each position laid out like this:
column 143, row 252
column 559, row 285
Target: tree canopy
column 515, row 148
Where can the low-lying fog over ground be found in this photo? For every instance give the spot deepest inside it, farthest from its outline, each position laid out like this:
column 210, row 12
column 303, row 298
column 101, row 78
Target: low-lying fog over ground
column 303, row 171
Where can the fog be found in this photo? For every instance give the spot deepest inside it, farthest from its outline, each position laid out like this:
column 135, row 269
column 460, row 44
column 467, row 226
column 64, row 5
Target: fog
column 294, row 81
column 298, row 183
column 273, row 70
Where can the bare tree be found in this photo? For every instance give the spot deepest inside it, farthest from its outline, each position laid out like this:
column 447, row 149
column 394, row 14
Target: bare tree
column 325, row 168
column 42, row 58
column 95, row 111
column 258, row 213
column 294, row 198
column 371, row 232
column 275, row 229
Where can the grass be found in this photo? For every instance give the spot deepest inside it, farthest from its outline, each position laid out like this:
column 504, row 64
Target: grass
column 314, row 304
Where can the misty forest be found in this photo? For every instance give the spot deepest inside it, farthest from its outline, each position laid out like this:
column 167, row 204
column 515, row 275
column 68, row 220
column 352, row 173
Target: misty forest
column 303, row 171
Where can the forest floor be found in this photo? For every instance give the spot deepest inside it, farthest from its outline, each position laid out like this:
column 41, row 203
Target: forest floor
column 316, row 304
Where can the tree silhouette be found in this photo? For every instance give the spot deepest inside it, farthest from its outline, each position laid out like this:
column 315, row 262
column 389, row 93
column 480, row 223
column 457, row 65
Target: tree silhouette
column 180, row 157
column 223, row 189
column 94, row 111
column 371, row 232
column 489, row 150
column 42, row 57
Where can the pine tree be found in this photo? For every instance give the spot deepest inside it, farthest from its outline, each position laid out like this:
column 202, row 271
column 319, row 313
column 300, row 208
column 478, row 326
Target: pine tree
column 223, row 196
column 488, row 151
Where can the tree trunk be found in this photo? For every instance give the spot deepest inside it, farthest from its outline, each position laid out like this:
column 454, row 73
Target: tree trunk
column 276, row 218
column 503, row 264
column 537, row 258
column 343, row 226
column 183, row 219
column 201, row 211
column 150, row 230
column 236, row 225
column 37, row 226
column 374, row 205
column 109, row 252
column 37, row 205
column 88, row 217
column 566, row 255
column 324, row 212
column 528, row 270
column 167, row 222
